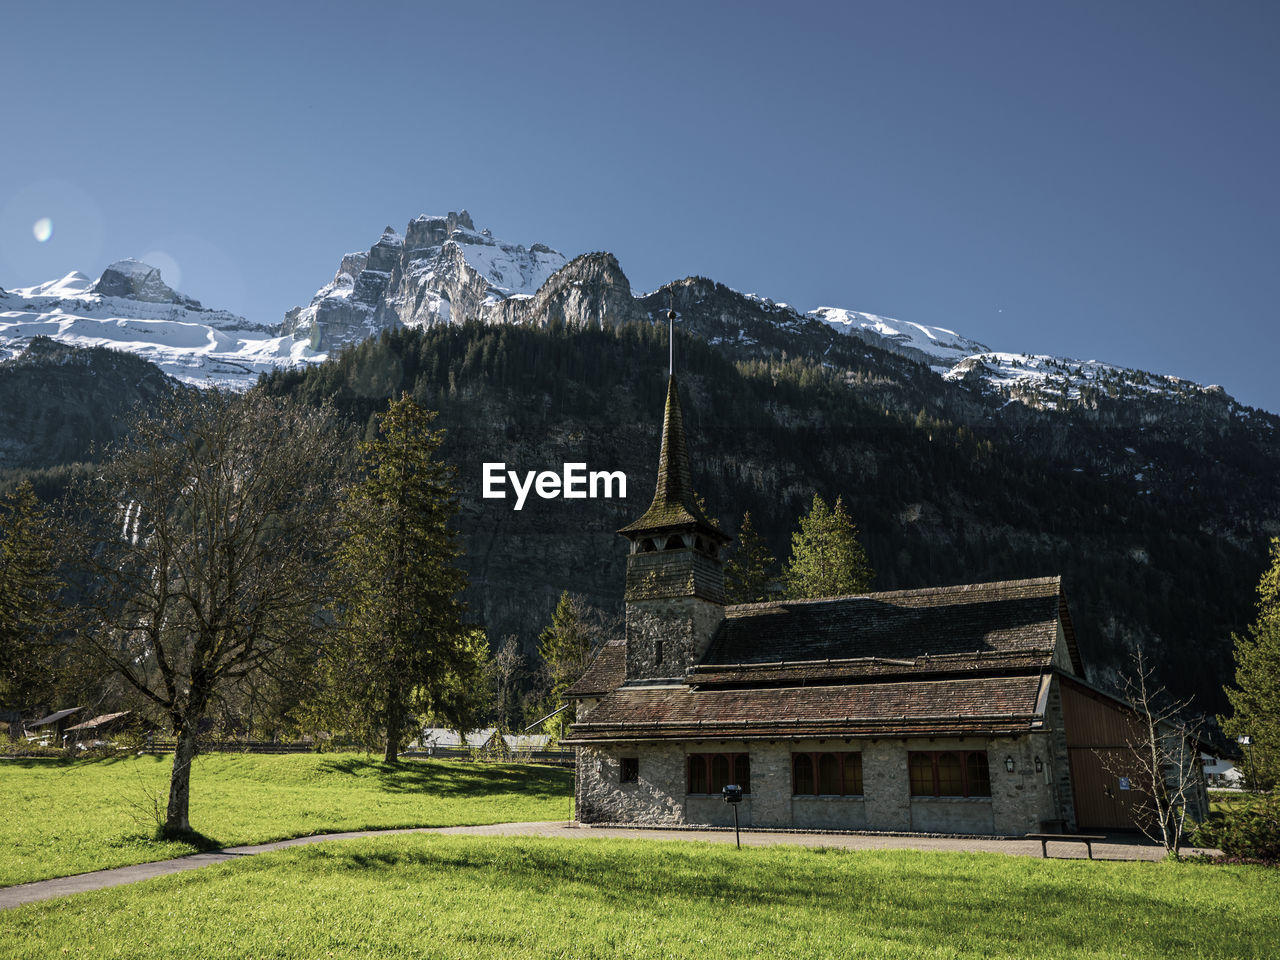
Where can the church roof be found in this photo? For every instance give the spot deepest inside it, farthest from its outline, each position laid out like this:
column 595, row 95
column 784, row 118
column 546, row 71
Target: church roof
column 606, row 672
column 941, row 661
column 987, row 705
column 982, row 623
column 674, row 501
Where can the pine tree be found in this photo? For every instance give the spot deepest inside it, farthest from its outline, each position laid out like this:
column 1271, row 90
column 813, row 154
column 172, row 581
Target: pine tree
column 1256, row 697
column 28, row 590
column 747, row 576
column 826, row 558
column 565, row 646
column 403, row 650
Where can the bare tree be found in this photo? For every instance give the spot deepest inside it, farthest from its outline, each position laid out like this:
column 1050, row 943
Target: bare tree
column 1161, row 759
column 509, row 667
column 204, row 548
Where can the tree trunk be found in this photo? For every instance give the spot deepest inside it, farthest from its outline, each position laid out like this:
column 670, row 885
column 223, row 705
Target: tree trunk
column 394, row 721
column 176, row 819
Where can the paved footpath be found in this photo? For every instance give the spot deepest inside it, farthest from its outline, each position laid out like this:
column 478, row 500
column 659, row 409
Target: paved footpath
column 1125, row 848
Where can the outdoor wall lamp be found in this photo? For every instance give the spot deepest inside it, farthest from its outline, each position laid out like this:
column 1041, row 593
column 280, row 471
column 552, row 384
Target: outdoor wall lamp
column 1008, row 764
column 1039, row 765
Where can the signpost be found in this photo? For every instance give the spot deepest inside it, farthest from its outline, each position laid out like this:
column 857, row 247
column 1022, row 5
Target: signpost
column 732, row 794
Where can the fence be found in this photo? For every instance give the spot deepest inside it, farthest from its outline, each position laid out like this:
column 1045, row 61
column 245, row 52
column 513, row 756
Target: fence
column 558, row 758
column 232, row 746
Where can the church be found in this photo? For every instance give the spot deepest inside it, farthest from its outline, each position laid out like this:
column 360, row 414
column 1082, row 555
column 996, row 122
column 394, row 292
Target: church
column 956, row 710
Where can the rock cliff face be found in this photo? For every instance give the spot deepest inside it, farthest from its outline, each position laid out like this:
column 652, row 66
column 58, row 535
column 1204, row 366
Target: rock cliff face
column 135, row 280
column 442, row 270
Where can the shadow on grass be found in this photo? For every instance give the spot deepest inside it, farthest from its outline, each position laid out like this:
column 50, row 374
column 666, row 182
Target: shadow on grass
column 193, row 838
column 29, row 763
column 456, row 779
column 905, row 897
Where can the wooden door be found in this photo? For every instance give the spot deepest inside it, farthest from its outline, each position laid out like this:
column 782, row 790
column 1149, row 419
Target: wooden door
column 1102, row 803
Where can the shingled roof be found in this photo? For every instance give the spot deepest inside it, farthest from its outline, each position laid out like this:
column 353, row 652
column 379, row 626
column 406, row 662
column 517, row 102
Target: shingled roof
column 674, row 502
column 986, row 705
column 981, row 621
column 942, row 661
column 606, row 672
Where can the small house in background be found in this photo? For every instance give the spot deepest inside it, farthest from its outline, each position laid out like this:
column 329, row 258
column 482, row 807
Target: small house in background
column 52, row 726
column 1222, row 772
column 485, row 741
column 445, row 742
column 99, row 727
column 522, row 743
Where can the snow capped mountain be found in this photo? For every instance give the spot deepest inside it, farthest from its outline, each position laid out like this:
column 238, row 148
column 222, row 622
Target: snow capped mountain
column 440, row 270
column 934, row 346
column 74, row 284
column 130, row 308
column 443, row 270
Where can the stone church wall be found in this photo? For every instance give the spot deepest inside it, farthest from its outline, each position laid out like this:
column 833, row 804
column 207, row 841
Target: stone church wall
column 1020, row 801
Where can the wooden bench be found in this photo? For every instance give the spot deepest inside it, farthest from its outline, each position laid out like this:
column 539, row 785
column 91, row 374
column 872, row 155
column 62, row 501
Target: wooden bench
column 1087, row 839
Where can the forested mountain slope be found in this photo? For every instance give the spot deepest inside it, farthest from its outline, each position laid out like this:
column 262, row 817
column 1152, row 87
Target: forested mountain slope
column 1156, row 512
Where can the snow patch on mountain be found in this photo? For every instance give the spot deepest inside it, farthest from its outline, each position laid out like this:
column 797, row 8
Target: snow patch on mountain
column 936, row 346
column 1057, row 382
column 142, row 315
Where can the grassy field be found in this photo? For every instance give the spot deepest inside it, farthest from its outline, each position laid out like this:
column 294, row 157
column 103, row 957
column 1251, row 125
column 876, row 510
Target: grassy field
column 1220, row 801
column 65, row 818
column 431, row 896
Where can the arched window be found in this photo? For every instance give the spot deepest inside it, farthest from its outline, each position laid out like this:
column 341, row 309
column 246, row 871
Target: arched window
column 828, row 773
column 711, row 772
column 801, row 774
column 698, row 773
column 920, row 766
column 853, row 774
column 719, row 772
column 950, row 775
column 979, row 775
column 674, row 542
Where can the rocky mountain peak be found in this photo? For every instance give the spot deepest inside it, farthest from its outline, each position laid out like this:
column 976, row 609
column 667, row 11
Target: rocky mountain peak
column 590, row 290
column 134, row 280
column 442, row 270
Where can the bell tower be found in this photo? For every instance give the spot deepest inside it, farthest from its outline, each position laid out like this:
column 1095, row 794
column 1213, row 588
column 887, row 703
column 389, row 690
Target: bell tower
column 675, row 574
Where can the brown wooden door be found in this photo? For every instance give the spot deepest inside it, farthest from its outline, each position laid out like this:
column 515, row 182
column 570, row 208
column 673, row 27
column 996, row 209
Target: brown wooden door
column 1101, row 804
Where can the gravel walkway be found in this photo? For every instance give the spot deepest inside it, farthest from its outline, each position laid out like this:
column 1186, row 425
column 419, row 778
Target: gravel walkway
column 1120, row 848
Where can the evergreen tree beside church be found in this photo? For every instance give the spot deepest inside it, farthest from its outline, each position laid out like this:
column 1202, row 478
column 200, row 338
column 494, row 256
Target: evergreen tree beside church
column 826, row 558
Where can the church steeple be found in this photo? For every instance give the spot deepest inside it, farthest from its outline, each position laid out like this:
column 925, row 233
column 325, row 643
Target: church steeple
column 675, row 577
column 674, row 502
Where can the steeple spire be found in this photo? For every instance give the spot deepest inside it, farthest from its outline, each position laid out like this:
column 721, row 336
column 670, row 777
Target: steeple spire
column 674, row 502
column 675, row 577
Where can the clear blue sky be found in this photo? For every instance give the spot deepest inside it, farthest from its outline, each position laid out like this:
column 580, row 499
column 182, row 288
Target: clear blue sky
column 1095, row 180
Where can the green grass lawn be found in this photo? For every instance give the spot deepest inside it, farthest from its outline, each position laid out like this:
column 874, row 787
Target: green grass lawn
column 432, row 896
column 58, row 819
column 1220, row 801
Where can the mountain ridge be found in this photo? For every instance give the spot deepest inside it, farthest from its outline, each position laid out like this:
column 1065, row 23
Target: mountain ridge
column 442, row 269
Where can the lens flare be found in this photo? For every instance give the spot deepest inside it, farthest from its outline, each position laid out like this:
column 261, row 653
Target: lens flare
column 42, row 229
